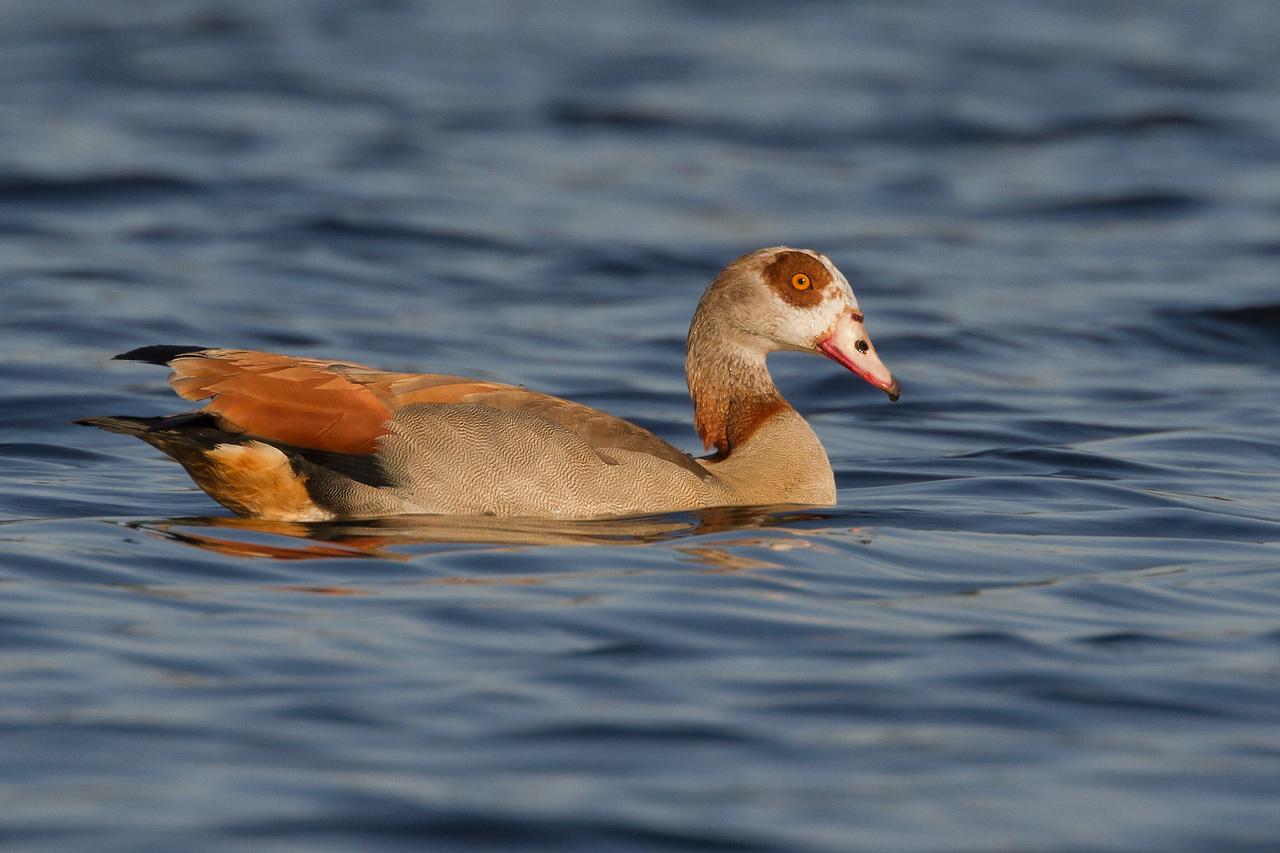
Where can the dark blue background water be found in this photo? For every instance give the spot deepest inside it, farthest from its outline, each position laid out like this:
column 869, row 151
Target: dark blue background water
column 1045, row 614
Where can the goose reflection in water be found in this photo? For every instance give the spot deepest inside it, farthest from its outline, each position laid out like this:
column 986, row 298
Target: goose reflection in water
column 380, row 539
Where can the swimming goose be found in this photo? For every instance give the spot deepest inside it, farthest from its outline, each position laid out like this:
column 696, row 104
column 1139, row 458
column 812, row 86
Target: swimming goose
column 303, row 439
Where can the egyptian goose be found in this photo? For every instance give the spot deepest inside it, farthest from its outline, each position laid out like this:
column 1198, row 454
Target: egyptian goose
column 302, row 439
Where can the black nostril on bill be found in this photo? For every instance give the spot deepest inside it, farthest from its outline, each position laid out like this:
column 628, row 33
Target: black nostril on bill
column 861, row 346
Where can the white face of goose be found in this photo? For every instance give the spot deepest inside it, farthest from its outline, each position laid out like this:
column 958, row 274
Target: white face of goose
column 813, row 309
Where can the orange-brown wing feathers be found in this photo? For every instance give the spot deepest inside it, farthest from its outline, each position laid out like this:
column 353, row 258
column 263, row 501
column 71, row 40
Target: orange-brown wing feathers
column 312, row 403
column 344, row 407
column 298, row 401
column 437, row 388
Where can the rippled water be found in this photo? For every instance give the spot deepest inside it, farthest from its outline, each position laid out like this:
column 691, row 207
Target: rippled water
column 1044, row 615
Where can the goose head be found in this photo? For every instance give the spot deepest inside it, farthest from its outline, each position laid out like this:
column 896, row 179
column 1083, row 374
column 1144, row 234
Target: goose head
column 782, row 298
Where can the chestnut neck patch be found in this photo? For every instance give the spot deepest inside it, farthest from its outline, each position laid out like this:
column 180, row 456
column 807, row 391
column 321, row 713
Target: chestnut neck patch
column 728, row 422
column 782, row 271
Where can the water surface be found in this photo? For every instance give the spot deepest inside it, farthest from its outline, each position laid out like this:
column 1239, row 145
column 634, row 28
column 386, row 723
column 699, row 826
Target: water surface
column 1045, row 613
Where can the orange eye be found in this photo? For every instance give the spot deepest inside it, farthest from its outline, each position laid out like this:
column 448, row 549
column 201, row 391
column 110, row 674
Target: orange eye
column 800, row 281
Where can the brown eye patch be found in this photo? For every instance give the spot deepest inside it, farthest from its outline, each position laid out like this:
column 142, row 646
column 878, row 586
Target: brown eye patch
column 798, row 277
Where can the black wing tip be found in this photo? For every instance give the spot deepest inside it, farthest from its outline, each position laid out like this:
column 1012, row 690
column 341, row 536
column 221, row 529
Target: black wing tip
column 121, row 424
column 160, row 354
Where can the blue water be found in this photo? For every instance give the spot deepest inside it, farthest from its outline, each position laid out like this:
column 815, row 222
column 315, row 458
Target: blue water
column 1045, row 614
